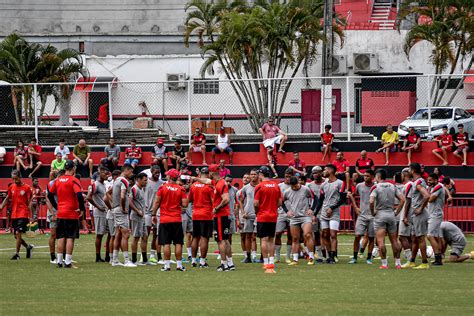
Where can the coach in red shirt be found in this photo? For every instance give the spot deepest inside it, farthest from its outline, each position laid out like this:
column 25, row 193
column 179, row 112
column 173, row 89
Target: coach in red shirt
column 362, row 164
column 170, row 199
column 267, row 200
column 297, row 165
column 70, row 206
column 20, row 196
column 198, row 144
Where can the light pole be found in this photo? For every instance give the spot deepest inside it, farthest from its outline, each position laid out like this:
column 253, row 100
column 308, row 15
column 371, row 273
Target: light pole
column 326, row 86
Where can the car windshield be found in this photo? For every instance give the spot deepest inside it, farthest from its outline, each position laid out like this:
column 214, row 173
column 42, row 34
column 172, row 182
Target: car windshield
column 436, row 114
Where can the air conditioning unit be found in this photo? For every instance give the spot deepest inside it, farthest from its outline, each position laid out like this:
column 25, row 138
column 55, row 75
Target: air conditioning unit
column 339, row 65
column 176, row 81
column 366, row 62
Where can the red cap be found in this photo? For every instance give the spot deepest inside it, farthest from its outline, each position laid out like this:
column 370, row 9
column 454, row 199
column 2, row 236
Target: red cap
column 213, row 168
column 173, row 173
column 160, row 141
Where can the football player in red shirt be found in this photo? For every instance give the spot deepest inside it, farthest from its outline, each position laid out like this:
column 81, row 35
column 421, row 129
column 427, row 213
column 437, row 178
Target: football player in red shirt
column 70, row 206
column 198, row 144
column 362, row 164
column 34, row 151
column 170, row 199
column 297, row 165
column 20, row 196
column 342, row 168
column 411, row 143
column 133, row 154
column 266, row 202
column 327, row 139
column 445, row 142
column 461, row 141
column 201, row 195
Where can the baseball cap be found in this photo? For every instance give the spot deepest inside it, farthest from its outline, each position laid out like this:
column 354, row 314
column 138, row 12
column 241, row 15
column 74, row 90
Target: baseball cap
column 316, row 169
column 205, row 170
column 213, row 168
column 69, row 165
column 160, row 141
column 173, row 173
column 264, row 170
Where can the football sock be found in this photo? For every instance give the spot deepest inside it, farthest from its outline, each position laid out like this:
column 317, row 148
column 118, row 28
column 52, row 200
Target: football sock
column 134, row 257
column 324, row 253
column 202, row 261
column 369, row 255
column 60, row 258
column 68, row 259
column 144, row 257
column 125, row 256
column 224, row 263
column 254, row 255
column 193, row 260
column 152, row 253
column 295, row 257
column 107, row 256
column 361, row 250
column 179, row 263
column 159, row 256
column 230, row 262
column 265, row 260
column 271, row 260
column 311, row 255
column 397, row 262
column 407, row 253
column 190, row 253
column 277, row 251
column 384, row 262
column 53, row 256
column 167, row 263
column 115, row 256
column 319, row 252
column 438, row 257
column 288, row 252
column 355, row 255
column 97, row 257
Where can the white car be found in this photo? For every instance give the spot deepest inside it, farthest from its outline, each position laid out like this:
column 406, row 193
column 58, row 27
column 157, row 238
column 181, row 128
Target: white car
column 440, row 116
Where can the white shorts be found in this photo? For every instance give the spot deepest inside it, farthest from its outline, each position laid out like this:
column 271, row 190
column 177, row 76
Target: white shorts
column 197, row 148
column 331, row 224
column 272, row 141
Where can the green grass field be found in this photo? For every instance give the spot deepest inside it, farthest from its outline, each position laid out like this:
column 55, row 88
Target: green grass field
column 36, row 286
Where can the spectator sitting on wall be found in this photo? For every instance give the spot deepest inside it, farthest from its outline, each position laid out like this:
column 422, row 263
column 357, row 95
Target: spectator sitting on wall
column 362, row 164
column 411, row 143
column 62, row 149
column 445, row 143
column 461, row 141
column 133, row 154
column 223, row 170
column 272, row 135
column 327, row 140
column 272, row 162
column 21, row 156
column 198, row 144
column 389, row 143
column 82, row 155
column 222, row 145
column 56, row 165
column 112, row 155
column 178, row 155
column 297, row 165
column 34, row 151
column 342, row 168
column 160, row 155
column 3, row 152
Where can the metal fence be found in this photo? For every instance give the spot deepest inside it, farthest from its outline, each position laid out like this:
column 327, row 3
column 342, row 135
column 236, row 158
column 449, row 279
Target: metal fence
column 357, row 104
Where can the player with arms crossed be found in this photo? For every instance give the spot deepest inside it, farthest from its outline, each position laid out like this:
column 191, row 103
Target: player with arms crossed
column 170, row 199
column 382, row 201
column 332, row 196
column 365, row 220
column 21, row 197
column 267, row 200
column 302, row 205
column 70, row 205
column 152, row 186
column 137, row 217
column 435, row 211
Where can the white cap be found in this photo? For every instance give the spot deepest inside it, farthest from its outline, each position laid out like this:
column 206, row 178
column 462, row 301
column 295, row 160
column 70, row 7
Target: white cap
column 316, row 169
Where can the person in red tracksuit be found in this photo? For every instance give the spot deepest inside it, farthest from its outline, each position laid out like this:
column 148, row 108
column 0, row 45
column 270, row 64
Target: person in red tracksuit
column 267, row 200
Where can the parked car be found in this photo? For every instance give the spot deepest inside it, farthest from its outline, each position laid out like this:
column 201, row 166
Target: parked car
column 440, row 116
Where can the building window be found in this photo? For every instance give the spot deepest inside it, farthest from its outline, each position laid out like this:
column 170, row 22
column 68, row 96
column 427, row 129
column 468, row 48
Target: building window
column 206, row 86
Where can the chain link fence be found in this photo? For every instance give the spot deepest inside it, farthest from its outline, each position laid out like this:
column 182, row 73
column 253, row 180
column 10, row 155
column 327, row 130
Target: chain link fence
column 352, row 105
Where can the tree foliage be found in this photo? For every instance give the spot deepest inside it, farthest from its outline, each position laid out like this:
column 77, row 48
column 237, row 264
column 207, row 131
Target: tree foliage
column 252, row 43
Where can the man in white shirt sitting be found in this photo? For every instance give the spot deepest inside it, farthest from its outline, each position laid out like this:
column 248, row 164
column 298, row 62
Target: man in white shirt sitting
column 222, row 145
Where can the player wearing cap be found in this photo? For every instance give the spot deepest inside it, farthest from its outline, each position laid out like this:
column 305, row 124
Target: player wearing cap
column 120, row 206
column 418, row 199
column 170, row 199
column 435, row 211
column 383, row 197
column 365, row 220
column 301, row 209
column 152, row 186
column 331, row 197
column 283, row 222
column 95, row 196
column 20, row 196
column 267, row 200
column 246, row 198
column 70, row 205
column 137, row 217
column 201, row 196
column 315, row 187
column 453, row 236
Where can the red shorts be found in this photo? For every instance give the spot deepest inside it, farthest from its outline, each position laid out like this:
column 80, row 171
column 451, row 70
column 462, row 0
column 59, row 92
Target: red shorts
column 449, row 149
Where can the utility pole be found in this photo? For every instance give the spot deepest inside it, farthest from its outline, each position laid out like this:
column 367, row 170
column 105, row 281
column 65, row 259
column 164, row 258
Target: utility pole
column 326, row 86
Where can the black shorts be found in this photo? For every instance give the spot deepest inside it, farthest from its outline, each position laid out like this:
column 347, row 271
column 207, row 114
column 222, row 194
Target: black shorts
column 20, row 225
column 341, row 176
column 170, row 233
column 222, row 228
column 202, row 228
column 34, row 160
column 266, row 229
column 67, row 228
